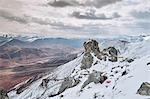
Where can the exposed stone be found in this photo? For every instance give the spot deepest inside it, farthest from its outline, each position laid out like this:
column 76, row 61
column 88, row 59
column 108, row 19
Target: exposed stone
column 95, row 77
column 44, row 82
column 129, row 60
column 110, row 53
column 144, row 89
column 3, row 94
column 87, row 61
column 113, row 54
column 68, row 82
column 91, row 46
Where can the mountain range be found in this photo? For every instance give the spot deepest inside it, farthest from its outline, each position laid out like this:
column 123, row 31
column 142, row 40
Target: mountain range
column 98, row 73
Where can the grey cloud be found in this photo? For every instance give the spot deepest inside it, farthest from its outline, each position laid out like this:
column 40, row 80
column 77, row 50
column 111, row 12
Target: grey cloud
column 6, row 15
column 63, row 3
column 28, row 19
column 145, row 25
column 141, row 14
column 94, row 3
column 100, row 3
column 91, row 15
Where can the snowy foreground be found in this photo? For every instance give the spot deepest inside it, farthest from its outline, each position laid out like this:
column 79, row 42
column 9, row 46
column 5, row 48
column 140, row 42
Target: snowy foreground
column 124, row 77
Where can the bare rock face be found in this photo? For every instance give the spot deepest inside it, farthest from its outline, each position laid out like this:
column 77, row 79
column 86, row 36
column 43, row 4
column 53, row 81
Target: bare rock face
column 144, row 89
column 95, row 77
column 3, row 94
column 87, row 61
column 91, row 46
column 68, row 82
column 113, row 54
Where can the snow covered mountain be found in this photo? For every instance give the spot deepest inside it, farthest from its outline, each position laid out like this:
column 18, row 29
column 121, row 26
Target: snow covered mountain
column 95, row 74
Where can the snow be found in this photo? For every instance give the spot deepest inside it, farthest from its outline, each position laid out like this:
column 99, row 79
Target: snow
column 117, row 86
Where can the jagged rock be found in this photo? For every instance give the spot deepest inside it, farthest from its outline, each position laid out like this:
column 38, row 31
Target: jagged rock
column 102, row 55
column 3, row 94
column 144, row 89
column 68, row 82
column 95, row 77
column 44, row 82
column 109, row 53
column 113, row 54
column 87, row 61
column 91, row 46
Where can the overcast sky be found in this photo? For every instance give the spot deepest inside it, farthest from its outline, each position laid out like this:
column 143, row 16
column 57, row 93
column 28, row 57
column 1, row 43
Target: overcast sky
column 75, row 18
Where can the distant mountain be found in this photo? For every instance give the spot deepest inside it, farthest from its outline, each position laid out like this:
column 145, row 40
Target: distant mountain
column 22, row 58
column 69, row 42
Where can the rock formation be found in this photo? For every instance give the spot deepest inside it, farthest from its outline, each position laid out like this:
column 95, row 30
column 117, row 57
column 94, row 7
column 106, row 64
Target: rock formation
column 144, row 89
column 113, row 54
column 92, row 46
column 95, row 77
column 87, row 61
column 68, row 82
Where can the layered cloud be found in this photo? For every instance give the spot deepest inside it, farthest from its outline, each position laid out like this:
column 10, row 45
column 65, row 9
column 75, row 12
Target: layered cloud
column 91, row 3
column 91, row 14
column 88, row 18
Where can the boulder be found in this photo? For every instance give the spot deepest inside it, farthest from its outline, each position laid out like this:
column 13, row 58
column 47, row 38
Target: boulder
column 144, row 89
column 95, row 77
column 68, row 82
column 3, row 94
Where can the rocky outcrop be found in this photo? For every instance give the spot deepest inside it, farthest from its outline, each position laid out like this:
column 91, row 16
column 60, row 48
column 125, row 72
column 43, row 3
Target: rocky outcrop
column 87, row 60
column 91, row 46
column 3, row 94
column 95, row 77
column 109, row 53
column 113, row 54
column 68, row 82
column 144, row 89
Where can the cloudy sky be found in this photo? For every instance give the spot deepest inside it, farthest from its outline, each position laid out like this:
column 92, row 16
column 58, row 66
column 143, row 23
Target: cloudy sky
column 75, row 18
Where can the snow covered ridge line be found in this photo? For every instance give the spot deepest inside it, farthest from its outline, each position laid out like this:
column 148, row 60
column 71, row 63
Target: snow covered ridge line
column 95, row 74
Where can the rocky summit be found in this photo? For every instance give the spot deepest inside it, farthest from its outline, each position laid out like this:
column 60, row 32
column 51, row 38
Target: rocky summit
column 97, row 73
column 110, row 53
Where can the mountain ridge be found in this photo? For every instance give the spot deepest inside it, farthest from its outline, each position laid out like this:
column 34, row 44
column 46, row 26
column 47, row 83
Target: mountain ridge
column 91, row 76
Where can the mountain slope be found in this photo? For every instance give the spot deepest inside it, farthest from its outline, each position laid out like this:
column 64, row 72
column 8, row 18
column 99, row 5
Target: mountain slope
column 95, row 74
